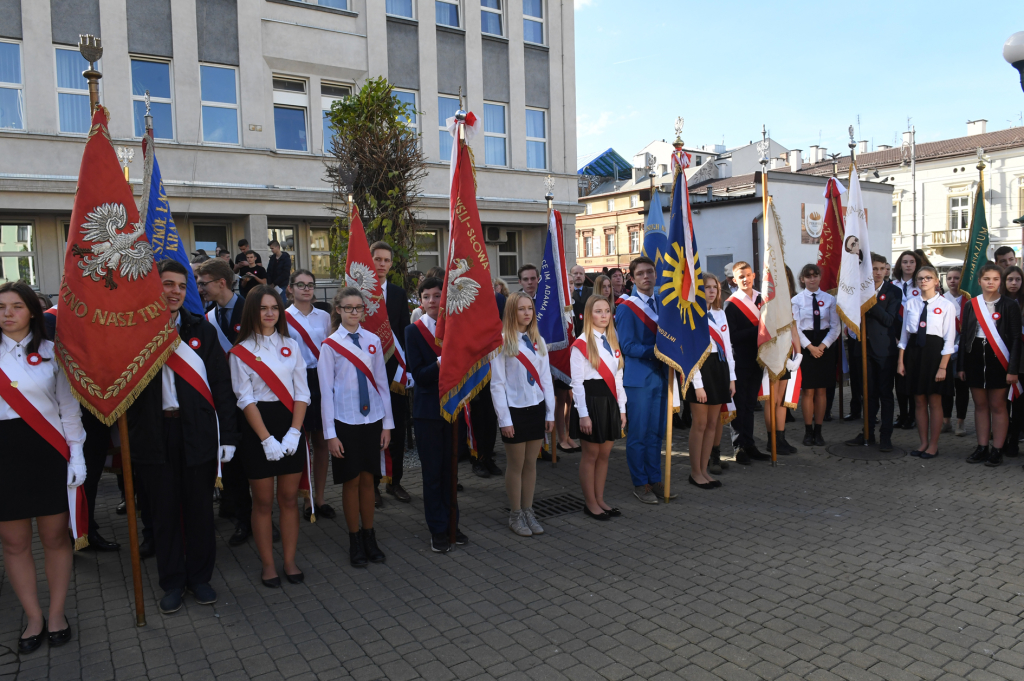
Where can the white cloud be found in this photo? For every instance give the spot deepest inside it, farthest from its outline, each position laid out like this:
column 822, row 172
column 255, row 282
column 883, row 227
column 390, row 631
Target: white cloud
column 579, row 4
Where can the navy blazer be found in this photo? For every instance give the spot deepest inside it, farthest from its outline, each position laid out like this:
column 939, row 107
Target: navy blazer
column 637, row 344
column 398, row 318
column 425, row 369
column 881, row 319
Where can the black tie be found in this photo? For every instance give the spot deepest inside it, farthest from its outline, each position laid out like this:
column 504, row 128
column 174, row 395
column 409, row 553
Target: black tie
column 817, row 314
column 922, row 326
column 222, row 319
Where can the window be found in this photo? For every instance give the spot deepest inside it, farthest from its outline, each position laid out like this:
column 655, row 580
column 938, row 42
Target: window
column 409, row 97
column 220, row 104
column 634, row 201
column 508, row 256
column 495, row 138
column 588, row 246
column 154, row 76
column 329, row 94
column 609, row 243
column 285, row 235
column 12, row 101
column 72, row 91
column 17, row 254
column 895, row 218
column 290, row 104
column 447, row 12
column 446, row 108
column 634, row 241
column 399, row 8
column 536, row 140
column 490, row 17
column 590, row 209
column 959, row 217
column 210, row 238
column 597, row 247
column 320, row 252
column 428, row 250
column 336, row 4
column 699, row 161
column 611, row 205
column 533, row 21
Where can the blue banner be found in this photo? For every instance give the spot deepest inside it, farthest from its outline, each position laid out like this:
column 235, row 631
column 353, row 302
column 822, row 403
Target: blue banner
column 160, row 230
column 655, row 232
column 550, row 319
column 683, row 337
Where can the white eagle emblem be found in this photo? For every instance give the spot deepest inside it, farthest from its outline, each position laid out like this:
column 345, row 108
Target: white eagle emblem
column 127, row 253
column 363, row 278
column 462, row 291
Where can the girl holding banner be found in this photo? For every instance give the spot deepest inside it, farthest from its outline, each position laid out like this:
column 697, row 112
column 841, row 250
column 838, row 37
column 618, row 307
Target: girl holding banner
column 356, row 411
column 41, row 464
column 268, row 376
column 599, row 402
column 524, row 400
column 988, row 358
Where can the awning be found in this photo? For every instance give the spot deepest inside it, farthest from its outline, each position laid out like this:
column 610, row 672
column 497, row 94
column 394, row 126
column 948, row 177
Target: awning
column 607, row 164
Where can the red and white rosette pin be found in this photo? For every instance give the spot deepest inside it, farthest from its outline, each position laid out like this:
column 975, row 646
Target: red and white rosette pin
column 996, row 316
column 238, row 328
column 34, row 359
column 194, row 343
column 938, row 310
column 372, row 349
column 617, row 354
column 286, row 351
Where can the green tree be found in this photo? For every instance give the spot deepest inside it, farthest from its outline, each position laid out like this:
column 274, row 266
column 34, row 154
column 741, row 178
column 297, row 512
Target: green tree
column 375, row 158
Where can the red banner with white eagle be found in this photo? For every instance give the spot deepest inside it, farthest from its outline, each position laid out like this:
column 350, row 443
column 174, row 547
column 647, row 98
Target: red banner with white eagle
column 830, row 247
column 113, row 327
column 359, row 272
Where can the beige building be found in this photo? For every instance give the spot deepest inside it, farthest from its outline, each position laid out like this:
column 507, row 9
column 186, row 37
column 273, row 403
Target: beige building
column 239, row 88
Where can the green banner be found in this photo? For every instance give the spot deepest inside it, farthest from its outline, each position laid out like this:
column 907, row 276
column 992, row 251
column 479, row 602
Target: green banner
column 977, row 247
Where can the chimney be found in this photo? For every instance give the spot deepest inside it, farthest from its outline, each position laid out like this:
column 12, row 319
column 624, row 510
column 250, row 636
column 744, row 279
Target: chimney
column 822, row 154
column 795, row 160
column 862, row 147
column 907, row 137
column 976, row 127
column 812, row 155
column 883, row 147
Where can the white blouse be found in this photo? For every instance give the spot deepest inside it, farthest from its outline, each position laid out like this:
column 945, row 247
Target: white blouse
column 581, row 370
column 317, row 324
column 721, row 324
column 281, row 355
column 339, row 383
column 510, row 384
column 909, row 290
column 803, row 313
column 941, row 321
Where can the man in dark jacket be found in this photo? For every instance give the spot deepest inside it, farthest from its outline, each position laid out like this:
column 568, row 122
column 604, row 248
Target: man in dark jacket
column 279, row 267
column 580, row 293
column 182, row 436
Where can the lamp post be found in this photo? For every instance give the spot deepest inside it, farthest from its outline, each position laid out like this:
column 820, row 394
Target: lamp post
column 1013, row 52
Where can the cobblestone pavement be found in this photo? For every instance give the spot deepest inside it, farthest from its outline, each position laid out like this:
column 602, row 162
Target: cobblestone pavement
column 821, row 568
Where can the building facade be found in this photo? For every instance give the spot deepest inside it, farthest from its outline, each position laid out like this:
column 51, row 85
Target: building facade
column 239, row 89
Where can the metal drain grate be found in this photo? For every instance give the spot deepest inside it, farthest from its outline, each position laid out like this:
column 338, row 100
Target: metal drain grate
column 562, row 504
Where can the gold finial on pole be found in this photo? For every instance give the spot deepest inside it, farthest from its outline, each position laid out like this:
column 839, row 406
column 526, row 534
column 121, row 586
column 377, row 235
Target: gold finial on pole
column 91, row 49
column 125, row 155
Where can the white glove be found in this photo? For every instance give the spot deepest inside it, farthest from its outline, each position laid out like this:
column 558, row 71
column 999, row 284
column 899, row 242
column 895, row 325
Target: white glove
column 290, row 441
column 793, row 364
column 272, row 448
column 76, row 467
column 227, row 452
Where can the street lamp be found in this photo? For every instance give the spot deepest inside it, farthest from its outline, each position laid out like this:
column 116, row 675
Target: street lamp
column 1013, row 52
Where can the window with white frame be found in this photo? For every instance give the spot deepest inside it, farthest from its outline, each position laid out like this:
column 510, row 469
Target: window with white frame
column 611, row 205
column 491, row 20
column 291, row 102
column 335, row 4
column 588, row 246
column 590, row 209
column 72, row 91
column 12, row 98
column 959, row 212
column 609, row 243
column 447, row 12
column 533, row 21
column 219, row 88
column 698, row 159
column 508, row 255
column 495, row 135
column 154, row 77
column 446, row 108
column 428, row 249
column 329, row 94
column 399, row 8
column 320, row 251
column 409, row 97
column 597, row 247
column 634, row 241
column 895, row 218
column 536, row 139
column 634, row 201
column 17, row 254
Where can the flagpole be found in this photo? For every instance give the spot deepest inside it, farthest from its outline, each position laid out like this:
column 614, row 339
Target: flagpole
column 668, row 436
column 550, row 197
column 460, row 139
column 764, row 148
column 863, row 336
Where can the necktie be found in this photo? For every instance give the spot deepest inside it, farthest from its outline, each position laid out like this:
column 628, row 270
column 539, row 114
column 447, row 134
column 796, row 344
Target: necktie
column 579, row 293
column 529, row 344
column 607, row 345
column 816, row 313
column 922, row 326
column 653, row 304
column 222, row 319
column 364, row 392
column 905, row 284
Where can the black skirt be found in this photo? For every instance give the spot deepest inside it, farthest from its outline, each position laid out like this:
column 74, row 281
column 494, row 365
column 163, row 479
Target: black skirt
column 528, row 423
column 361, row 445
column 603, row 408
column 33, row 475
column 559, row 384
column 312, row 422
column 983, row 368
column 277, row 420
column 920, row 366
column 818, row 372
column 714, row 373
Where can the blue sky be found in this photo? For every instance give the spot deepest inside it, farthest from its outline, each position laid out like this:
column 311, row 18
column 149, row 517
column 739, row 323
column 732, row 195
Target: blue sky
column 804, row 69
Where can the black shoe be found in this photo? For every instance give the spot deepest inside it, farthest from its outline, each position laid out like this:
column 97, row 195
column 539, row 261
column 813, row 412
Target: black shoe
column 702, row 485
column 147, row 549
column 297, row 578
column 885, row 445
column 240, row 535
column 275, row 534
column 460, row 539
column 480, row 471
column 603, row 515
column 492, row 467
column 30, row 644
column 757, row 455
column 808, row 439
column 545, row 455
column 377, row 501
column 439, row 543
column 782, row 446
column 373, row 552
column 742, row 458
column 980, row 455
column 398, row 492
column 356, row 550
column 613, row 512
column 122, row 508
column 909, row 424
column 995, row 458
column 203, row 593
column 325, row 511
column 819, row 440
column 172, row 600
column 859, row 441
column 1011, row 452
column 272, row 583
column 98, row 543
column 58, row 638
column 828, row 417
column 851, row 417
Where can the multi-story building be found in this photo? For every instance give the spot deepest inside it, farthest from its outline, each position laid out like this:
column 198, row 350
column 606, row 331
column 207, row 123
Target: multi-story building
column 239, row 89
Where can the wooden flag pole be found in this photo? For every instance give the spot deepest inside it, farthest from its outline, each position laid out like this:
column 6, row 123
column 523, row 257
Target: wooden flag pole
column 133, row 530
column 668, row 436
column 771, row 416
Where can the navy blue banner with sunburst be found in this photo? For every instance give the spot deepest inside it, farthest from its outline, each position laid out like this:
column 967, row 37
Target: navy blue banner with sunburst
column 683, row 337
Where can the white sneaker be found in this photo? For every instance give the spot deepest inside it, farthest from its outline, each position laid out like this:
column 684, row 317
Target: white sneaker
column 517, row 523
column 959, row 430
column 531, row 521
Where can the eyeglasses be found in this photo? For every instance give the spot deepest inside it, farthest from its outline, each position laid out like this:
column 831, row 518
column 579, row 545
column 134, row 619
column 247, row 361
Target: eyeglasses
column 304, row 287
column 349, row 309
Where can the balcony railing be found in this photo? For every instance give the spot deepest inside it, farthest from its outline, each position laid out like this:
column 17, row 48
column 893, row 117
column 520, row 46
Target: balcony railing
column 948, row 237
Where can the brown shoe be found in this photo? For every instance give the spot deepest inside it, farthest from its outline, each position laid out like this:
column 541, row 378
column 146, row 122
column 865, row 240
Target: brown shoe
column 659, row 490
column 398, row 492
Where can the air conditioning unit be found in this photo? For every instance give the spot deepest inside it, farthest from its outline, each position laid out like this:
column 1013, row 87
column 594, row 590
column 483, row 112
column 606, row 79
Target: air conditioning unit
column 495, row 235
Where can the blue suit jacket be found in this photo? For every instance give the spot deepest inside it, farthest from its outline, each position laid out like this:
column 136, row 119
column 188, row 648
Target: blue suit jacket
column 637, row 344
column 422, row 364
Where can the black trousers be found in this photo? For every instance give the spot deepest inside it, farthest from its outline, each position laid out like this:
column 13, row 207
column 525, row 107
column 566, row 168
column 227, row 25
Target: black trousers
column 400, row 414
column 904, row 401
column 181, row 500
column 856, row 377
column 961, row 397
column 141, row 502
column 748, row 382
column 1016, row 425
column 881, row 373
column 485, row 424
column 236, row 492
column 97, row 443
column 434, row 444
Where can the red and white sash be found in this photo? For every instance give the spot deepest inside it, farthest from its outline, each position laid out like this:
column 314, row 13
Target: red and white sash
column 748, row 307
column 51, row 311
column 530, row 367
column 792, row 396
column 402, row 380
column 427, row 336
column 186, row 363
column 643, row 311
column 303, row 334
column 359, row 359
column 211, row 317
column 602, row 368
column 623, row 297
column 988, row 325
column 42, row 417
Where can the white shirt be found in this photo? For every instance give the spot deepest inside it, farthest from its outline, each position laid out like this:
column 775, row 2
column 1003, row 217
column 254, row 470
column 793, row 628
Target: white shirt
column 803, row 313
column 169, row 391
column 581, row 370
column 721, row 324
column 250, row 388
column 510, row 385
column 339, row 383
column 909, row 290
column 648, row 300
column 941, row 321
column 317, row 324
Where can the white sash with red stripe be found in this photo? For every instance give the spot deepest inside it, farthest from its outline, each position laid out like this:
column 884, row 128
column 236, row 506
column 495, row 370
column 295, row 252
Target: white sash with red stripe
column 602, row 367
column 186, row 363
column 303, row 334
column 747, row 306
column 987, row 322
column 359, row 359
column 402, row 380
column 792, row 396
column 530, row 367
column 643, row 311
